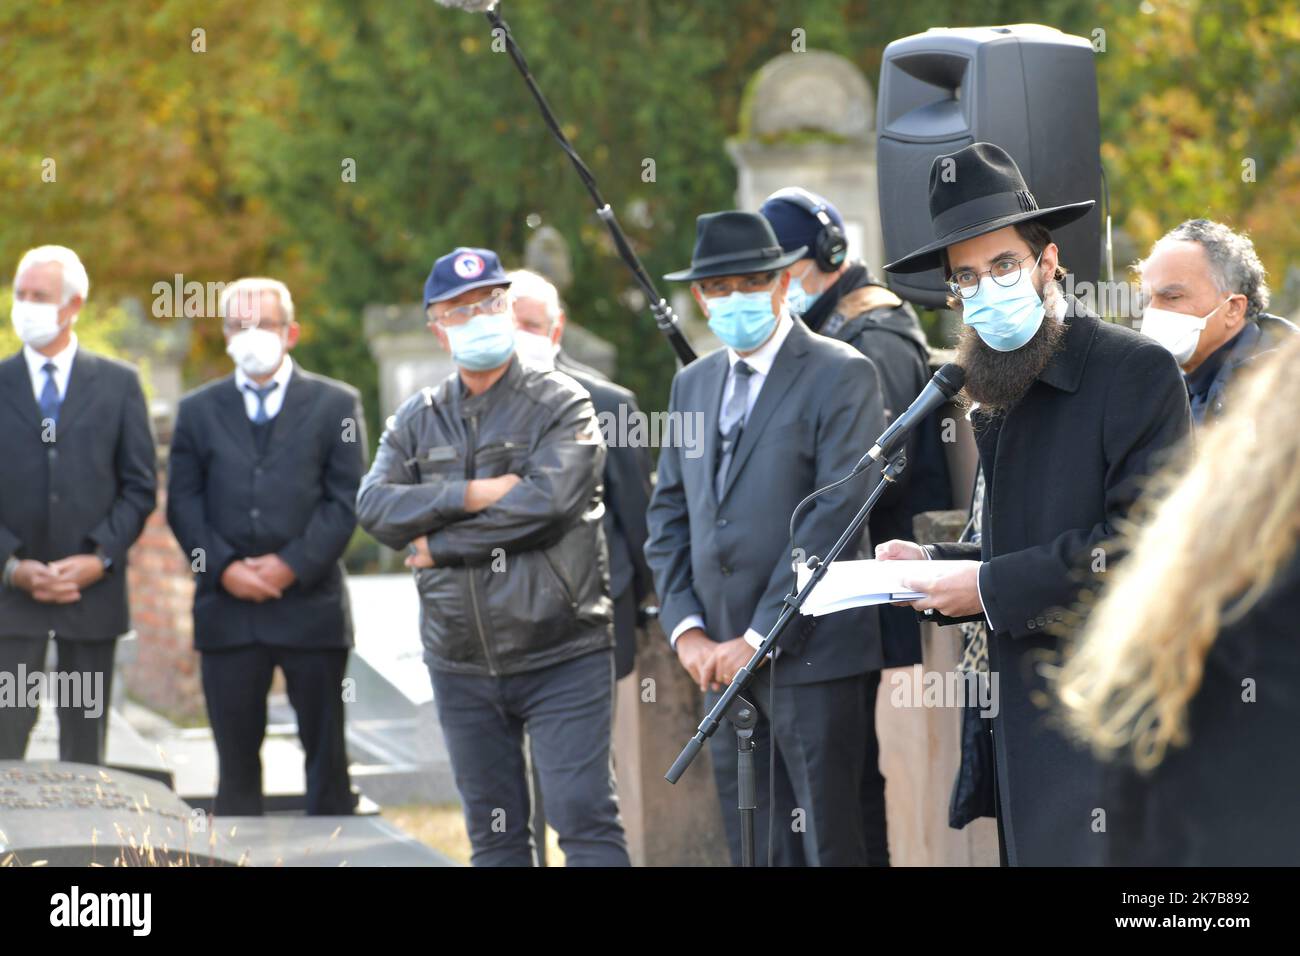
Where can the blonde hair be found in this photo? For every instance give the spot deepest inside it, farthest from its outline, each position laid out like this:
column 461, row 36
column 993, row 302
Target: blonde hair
column 1216, row 530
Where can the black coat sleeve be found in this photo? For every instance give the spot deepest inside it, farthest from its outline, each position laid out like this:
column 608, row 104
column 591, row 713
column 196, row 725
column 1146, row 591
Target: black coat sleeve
column 187, row 515
column 668, row 539
column 330, row 527
column 135, row 460
column 627, row 494
column 1146, row 417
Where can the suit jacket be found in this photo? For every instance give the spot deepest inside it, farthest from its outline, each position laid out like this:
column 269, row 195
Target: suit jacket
column 892, row 338
column 93, row 486
column 729, row 559
column 226, row 501
column 1062, row 468
column 627, row 483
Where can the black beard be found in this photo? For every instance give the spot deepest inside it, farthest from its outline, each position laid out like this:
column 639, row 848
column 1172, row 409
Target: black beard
column 997, row 380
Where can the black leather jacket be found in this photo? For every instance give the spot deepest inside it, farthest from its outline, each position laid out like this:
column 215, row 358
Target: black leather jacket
column 524, row 583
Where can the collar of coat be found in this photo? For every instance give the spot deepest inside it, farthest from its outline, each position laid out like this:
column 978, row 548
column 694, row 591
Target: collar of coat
column 1065, row 369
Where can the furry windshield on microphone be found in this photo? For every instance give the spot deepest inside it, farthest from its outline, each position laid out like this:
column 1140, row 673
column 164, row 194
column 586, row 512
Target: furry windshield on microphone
column 473, row 6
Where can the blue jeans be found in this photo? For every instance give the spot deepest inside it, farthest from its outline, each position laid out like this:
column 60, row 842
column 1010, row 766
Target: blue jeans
column 568, row 711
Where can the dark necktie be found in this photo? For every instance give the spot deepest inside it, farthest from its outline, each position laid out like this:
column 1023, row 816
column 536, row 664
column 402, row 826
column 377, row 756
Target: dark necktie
column 50, row 399
column 732, row 421
column 260, row 417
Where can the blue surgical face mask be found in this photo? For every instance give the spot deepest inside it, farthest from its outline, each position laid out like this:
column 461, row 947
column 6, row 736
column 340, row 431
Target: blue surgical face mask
column 485, row 341
column 800, row 299
column 743, row 320
column 1005, row 317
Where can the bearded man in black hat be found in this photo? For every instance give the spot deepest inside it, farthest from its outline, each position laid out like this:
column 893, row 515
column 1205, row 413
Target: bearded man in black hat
column 785, row 412
column 1070, row 415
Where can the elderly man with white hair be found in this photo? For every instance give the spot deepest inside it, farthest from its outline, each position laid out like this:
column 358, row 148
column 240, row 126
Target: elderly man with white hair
column 77, row 481
column 261, row 494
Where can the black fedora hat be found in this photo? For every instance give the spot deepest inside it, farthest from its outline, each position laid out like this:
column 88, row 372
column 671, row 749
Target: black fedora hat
column 732, row 244
column 981, row 192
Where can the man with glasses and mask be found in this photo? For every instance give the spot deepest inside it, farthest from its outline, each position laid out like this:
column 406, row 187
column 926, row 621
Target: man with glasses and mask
column 1070, row 414
column 785, row 412
column 1206, row 293
column 491, row 481
column 261, row 495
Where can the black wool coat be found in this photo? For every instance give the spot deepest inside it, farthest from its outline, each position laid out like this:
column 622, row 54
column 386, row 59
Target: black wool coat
column 1062, row 468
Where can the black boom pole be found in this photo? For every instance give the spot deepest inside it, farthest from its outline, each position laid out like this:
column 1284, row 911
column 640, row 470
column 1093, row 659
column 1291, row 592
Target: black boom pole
column 663, row 314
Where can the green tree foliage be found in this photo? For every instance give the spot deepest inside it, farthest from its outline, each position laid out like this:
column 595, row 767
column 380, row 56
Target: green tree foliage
column 235, row 160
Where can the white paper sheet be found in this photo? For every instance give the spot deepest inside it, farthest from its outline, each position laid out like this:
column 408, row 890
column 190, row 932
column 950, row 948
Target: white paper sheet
column 850, row 584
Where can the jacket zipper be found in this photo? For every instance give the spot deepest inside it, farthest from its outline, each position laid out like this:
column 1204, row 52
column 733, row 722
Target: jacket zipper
column 469, row 571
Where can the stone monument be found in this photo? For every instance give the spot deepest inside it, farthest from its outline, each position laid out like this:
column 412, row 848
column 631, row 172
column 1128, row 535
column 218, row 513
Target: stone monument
column 808, row 119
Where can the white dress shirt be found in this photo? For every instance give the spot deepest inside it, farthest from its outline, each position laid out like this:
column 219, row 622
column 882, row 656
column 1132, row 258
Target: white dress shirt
column 276, row 397
column 62, row 368
column 760, row 360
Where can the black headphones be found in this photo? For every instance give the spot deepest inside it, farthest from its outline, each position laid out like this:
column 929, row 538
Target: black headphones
column 830, row 248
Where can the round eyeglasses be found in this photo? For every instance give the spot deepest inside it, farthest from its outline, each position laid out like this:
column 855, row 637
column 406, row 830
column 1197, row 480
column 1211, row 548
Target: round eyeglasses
column 1005, row 273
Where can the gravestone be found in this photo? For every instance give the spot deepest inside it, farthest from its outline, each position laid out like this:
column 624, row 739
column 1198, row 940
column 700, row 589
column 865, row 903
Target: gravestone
column 808, row 119
column 68, row 814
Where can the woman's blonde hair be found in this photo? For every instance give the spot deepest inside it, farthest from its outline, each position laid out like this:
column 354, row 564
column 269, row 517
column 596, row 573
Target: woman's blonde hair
column 1210, row 539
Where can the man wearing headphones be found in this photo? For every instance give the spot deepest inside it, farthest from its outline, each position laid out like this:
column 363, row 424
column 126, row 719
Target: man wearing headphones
column 839, row 298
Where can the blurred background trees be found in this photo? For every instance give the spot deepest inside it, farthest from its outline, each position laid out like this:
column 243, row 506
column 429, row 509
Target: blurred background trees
column 214, row 139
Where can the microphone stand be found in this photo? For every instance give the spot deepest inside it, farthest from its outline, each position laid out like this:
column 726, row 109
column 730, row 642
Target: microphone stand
column 664, row 316
column 731, row 696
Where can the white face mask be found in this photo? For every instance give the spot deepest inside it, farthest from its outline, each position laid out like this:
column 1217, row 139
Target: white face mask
column 36, row 323
column 1177, row 332
column 535, row 349
column 257, row 352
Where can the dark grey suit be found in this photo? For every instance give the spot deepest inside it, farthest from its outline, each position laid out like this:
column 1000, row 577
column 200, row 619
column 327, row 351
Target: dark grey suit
column 729, row 560
column 92, row 487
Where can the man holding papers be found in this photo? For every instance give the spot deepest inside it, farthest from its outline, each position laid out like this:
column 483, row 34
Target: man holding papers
column 1070, row 414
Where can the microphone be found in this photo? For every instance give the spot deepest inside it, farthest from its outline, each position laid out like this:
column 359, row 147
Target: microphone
column 946, row 383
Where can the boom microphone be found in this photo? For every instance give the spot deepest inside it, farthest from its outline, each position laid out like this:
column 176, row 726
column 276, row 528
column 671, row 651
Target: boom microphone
column 660, row 308
column 473, row 6
column 946, row 383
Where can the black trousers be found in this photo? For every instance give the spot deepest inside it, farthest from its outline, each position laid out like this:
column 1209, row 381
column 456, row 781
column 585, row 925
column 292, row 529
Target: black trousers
column 819, row 754
column 87, row 667
column 235, row 685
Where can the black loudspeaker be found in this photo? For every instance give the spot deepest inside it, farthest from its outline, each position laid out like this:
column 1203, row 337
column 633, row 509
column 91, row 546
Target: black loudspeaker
column 1030, row 89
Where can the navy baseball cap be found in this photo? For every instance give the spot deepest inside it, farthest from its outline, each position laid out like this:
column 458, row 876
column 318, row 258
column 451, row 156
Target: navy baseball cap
column 460, row 270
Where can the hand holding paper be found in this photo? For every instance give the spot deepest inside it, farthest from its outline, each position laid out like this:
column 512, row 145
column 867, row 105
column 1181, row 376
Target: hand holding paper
column 850, row 584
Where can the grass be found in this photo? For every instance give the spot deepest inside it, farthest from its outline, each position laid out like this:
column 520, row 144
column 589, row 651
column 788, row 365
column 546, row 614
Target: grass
column 442, row 827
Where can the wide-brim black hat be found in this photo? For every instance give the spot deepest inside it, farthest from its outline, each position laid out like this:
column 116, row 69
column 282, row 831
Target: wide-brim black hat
column 732, row 244
column 974, row 191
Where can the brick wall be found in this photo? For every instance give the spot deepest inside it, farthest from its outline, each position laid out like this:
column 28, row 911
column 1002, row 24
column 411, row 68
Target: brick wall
column 165, row 674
